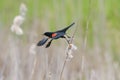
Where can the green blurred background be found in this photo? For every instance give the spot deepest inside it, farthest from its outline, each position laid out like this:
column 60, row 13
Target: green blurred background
column 54, row 14
column 103, row 33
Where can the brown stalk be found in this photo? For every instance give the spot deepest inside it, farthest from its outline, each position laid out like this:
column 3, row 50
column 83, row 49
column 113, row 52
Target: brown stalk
column 69, row 42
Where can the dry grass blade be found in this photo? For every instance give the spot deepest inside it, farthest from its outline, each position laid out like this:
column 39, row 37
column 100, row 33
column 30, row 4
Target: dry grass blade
column 87, row 26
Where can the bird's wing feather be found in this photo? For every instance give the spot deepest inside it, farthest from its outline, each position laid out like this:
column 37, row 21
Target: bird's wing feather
column 49, row 43
column 42, row 42
column 59, row 34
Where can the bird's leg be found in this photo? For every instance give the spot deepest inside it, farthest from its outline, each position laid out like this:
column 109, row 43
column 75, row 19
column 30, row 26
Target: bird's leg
column 67, row 38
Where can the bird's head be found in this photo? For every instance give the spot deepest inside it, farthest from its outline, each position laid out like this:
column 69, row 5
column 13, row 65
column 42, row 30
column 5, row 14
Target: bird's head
column 48, row 34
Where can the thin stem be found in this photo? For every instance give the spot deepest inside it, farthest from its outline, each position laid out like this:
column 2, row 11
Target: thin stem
column 63, row 67
column 34, row 67
column 86, row 35
column 87, row 26
column 71, row 40
column 67, row 56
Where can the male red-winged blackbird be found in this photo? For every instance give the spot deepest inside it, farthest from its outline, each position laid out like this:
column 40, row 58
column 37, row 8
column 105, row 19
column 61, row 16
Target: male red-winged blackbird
column 54, row 35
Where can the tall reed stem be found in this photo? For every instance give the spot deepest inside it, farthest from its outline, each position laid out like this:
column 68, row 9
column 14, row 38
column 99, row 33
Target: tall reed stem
column 67, row 56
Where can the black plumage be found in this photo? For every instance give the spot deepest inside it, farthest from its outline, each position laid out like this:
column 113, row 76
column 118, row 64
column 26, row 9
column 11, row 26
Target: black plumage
column 54, row 35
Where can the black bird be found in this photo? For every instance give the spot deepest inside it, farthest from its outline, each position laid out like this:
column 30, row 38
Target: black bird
column 54, row 35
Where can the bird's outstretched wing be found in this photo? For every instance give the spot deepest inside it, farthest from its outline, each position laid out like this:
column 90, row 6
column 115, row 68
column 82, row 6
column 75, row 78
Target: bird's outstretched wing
column 42, row 42
column 49, row 43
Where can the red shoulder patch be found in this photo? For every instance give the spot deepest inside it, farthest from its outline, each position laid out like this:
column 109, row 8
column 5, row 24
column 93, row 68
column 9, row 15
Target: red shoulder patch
column 54, row 34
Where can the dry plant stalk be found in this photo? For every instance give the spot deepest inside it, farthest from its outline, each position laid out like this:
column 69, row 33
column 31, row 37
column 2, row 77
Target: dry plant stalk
column 33, row 69
column 87, row 26
column 68, row 52
column 32, row 51
column 86, row 36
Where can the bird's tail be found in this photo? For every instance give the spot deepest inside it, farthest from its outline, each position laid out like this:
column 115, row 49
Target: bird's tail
column 65, row 29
